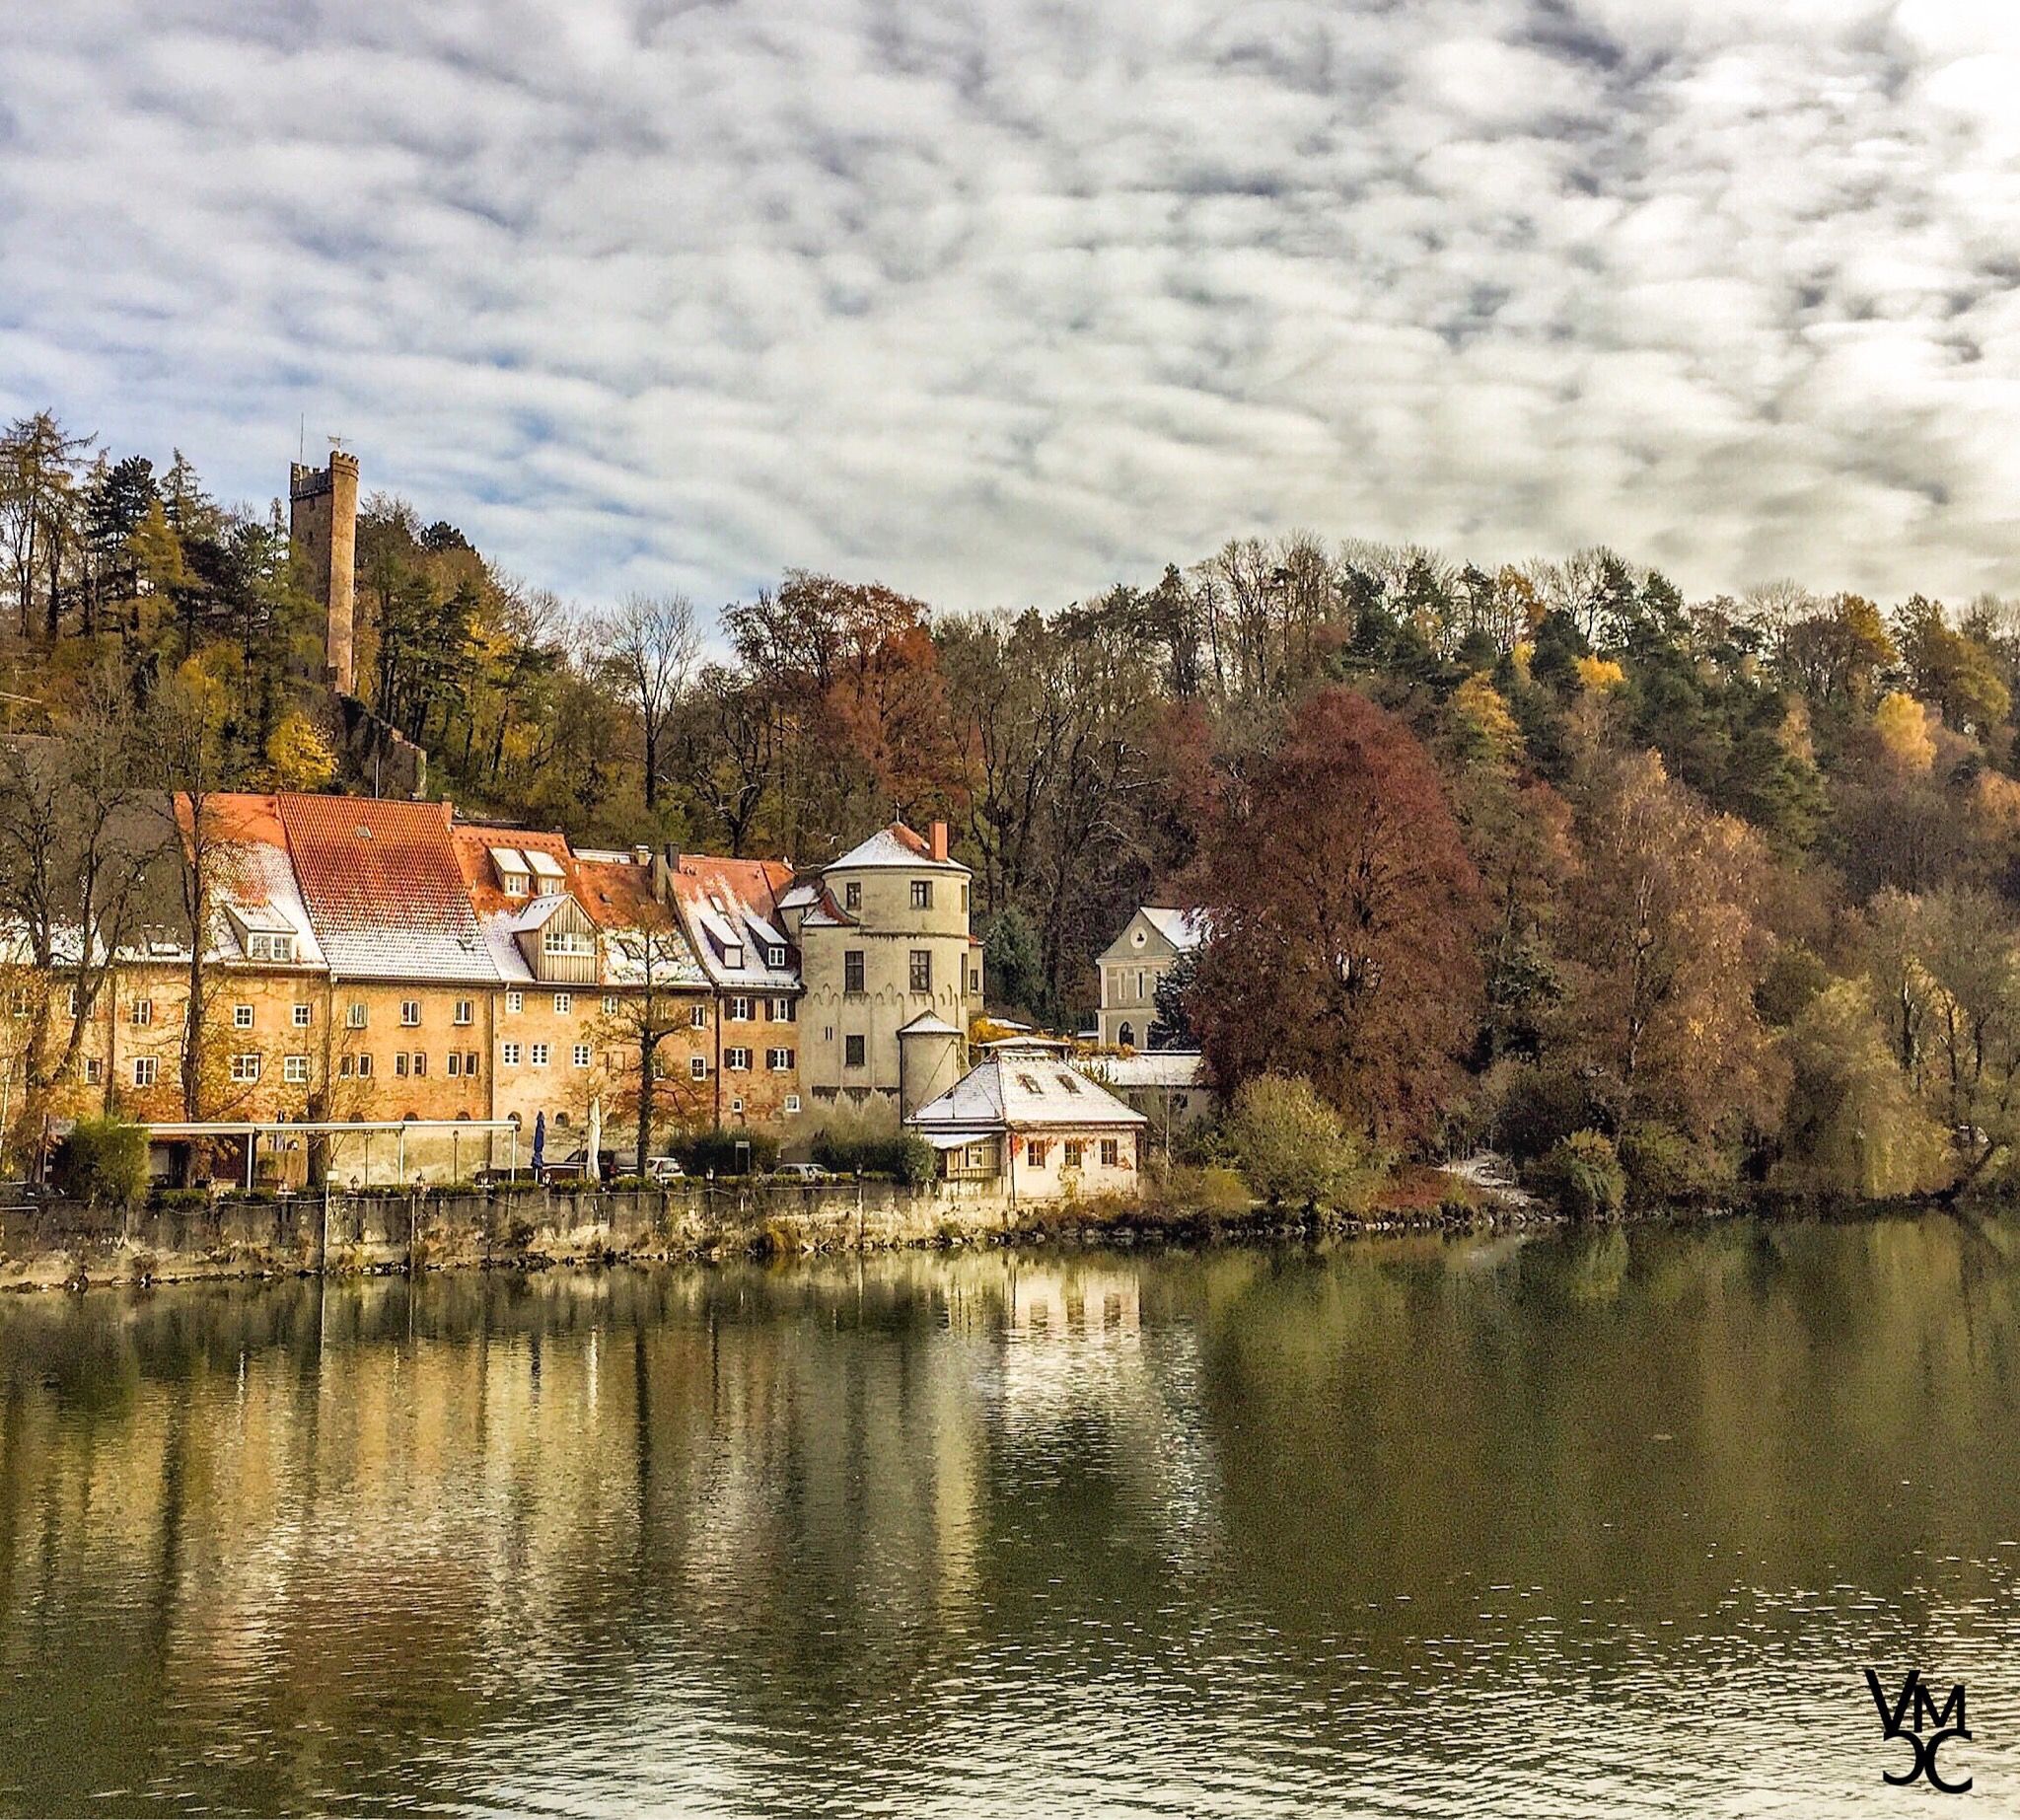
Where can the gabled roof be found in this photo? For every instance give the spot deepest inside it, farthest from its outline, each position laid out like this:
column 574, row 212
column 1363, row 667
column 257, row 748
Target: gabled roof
column 731, row 909
column 383, row 889
column 893, row 846
column 1018, row 1093
column 928, row 1025
column 1183, row 929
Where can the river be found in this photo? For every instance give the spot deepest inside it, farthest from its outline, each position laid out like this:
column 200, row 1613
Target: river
column 1579, row 1523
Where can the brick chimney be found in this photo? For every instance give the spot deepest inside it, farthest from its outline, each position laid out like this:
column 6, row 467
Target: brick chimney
column 939, row 839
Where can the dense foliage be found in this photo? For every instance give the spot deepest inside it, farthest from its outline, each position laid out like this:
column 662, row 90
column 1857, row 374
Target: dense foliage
column 1505, row 856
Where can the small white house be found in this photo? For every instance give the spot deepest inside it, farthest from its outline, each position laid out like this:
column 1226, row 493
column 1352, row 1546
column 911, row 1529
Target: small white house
column 1024, row 1125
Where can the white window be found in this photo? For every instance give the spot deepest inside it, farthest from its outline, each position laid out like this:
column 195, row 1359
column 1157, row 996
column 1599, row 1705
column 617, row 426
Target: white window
column 580, row 1055
column 466, row 1011
column 294, row 1069
column 266, row 947
column 93, row 1070
column 420, row 1062
column 697, row 1018
column 455, row 1062
column 355, row 1016
column 76, row 1001
column 242, row 1017
column 792, row 1102
column 539, row 1054
column 409, row 1012
column 564, row 1004
column 1111, row 1152
column 246, row 1066
column 785, row 1011
column 775, row 955
column 469, row 1064
column 737, row 1108
column 610, row 1004
column 738, row 1011
column 922, row 894
column 400, row 1063
column 145, row 1070
column 698, row 1067
column 515, row 1001
column 567, row 941
column 738, row 1060
column 364, row 1067
column 142, row 1014
column 779, row 1060
column 305, row 1015
column 509, row 1055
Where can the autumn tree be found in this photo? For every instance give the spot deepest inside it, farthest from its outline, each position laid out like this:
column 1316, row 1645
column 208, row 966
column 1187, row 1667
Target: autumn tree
column 1342, row 910
column 1665, row 950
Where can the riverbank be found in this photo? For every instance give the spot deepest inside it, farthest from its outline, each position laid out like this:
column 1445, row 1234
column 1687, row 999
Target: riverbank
column 61, row 1244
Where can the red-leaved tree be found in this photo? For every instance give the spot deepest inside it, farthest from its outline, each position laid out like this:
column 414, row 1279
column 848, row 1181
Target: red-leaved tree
column 1343, row 916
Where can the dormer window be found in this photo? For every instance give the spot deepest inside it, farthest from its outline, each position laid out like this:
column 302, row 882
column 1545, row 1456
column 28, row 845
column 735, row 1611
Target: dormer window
column 774, row 957
column 261, row 945
column 515, row 875
column 567, row 941
column 732, row 954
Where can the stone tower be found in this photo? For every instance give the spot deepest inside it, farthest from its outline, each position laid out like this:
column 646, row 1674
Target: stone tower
column 323, row 522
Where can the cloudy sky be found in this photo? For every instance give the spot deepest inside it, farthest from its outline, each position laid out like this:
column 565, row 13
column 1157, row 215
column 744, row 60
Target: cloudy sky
column 1002, row 300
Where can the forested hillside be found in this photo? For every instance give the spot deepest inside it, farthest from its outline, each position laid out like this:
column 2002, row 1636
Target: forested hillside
column 1511, row 853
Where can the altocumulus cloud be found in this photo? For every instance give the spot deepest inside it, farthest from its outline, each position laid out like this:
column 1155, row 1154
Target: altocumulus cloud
column 1002, row 300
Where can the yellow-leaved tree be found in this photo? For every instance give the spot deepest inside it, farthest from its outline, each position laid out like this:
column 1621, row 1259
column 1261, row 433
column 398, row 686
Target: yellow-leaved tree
column 298, row 756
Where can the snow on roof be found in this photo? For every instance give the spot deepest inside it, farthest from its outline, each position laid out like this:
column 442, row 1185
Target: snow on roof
column 799, row 896
column 1023, row 1093
column 509, row 859
column 893, row 846
column 1183, row 929
column 729, row 906
column 928, row 1025
column 1157, row 1067
column 545, row 865
column 383, row 889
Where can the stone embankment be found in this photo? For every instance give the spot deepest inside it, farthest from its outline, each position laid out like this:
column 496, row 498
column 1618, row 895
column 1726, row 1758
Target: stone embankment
column 55, row 1243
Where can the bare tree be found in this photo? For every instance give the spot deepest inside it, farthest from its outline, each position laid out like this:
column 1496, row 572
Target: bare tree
column 652, row 961
column 649, row 648
column 75, row 852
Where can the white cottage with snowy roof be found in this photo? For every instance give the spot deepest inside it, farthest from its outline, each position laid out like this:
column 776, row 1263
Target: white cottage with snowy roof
column 1023, row 1124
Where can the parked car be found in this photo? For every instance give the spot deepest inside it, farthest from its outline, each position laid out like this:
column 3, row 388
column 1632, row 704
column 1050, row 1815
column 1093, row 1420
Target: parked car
column 663, row 1169
column 799, row 1172
column 574, row 1167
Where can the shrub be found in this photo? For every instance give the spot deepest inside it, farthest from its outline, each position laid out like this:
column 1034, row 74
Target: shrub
column 1211, row 1189
column 181, row 1199
column 1583, row 1176
column 1539, row 1108
column 106, row 1160
column 725, row 1152
column 1666, row 1168
column 1294, row 1147
column 905, row 1157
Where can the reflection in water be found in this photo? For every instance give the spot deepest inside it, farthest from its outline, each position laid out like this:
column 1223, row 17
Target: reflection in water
column 1586, row 1523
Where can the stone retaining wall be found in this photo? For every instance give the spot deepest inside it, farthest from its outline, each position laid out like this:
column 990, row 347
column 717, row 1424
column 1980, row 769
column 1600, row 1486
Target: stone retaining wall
column 58, row 1242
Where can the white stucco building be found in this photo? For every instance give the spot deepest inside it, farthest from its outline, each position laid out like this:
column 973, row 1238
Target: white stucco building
column 1130, row 967
column 1024, row 1125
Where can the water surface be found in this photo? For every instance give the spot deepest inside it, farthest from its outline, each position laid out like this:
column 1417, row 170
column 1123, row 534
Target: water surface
column 1584, row 1523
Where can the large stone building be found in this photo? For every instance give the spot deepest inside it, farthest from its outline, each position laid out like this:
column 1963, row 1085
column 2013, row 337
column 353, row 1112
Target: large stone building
column 1130, row 967
column 376, row 960
column 893, row 977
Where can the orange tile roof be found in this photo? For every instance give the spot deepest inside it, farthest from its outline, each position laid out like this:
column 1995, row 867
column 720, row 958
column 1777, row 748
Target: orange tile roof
column 384, row 890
